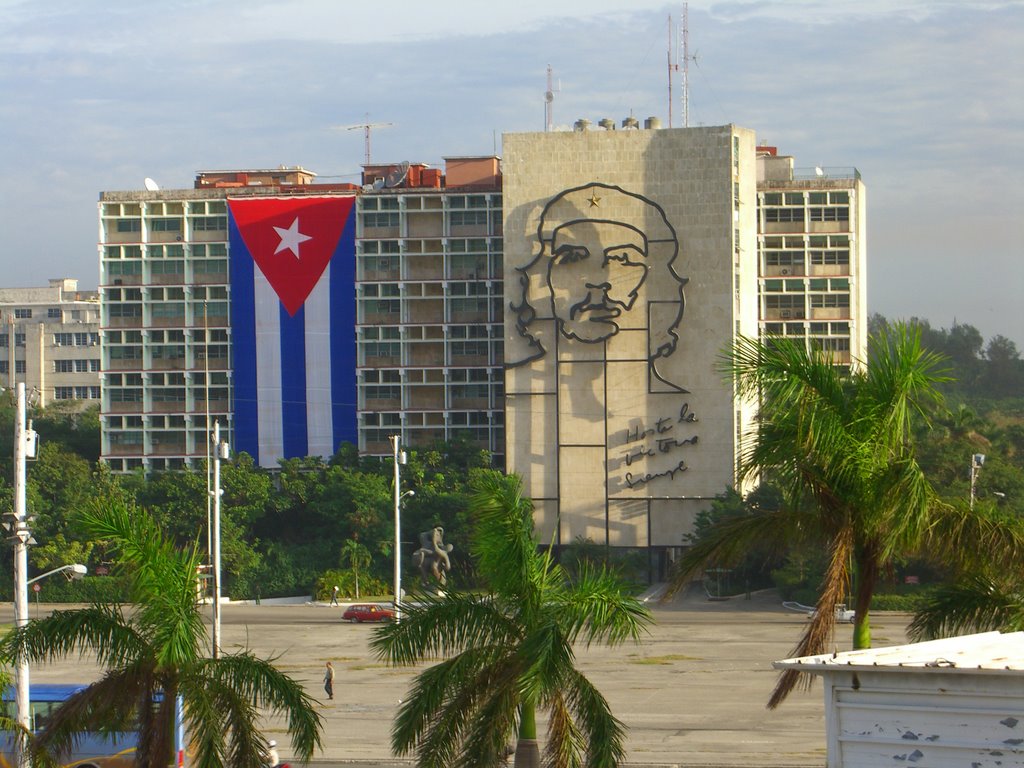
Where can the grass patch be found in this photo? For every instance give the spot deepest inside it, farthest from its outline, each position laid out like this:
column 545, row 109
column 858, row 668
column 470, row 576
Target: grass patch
column 667, row 659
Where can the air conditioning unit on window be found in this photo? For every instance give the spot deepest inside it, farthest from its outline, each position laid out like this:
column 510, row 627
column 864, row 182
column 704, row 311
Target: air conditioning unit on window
column 784, row 271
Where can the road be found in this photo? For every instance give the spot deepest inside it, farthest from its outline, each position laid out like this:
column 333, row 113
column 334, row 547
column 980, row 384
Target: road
column 692, row 693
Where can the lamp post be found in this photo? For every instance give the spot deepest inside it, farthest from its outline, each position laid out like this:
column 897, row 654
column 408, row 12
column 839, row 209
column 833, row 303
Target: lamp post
column 399, row 458
column 221, row 451
column 24, row 445
column 977, row 460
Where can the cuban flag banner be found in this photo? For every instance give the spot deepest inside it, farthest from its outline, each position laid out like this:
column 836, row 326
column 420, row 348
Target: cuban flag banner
column 293, row 325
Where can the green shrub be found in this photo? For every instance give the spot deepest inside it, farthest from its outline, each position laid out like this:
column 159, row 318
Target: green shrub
column 346, row 580
column 909, row 602
column 91, row 589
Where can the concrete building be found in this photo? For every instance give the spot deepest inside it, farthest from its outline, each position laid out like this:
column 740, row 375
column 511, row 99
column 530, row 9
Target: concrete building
column 429, row 295
column 49, row 339
column 812, row 255
column 630, row 263
column 166, row 341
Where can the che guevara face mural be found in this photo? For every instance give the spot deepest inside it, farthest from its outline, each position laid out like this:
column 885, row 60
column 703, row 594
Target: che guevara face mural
column 603, row 253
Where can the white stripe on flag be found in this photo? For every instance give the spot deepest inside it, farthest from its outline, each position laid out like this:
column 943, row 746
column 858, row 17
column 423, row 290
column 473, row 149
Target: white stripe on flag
column 319, row 416
column 268, row 370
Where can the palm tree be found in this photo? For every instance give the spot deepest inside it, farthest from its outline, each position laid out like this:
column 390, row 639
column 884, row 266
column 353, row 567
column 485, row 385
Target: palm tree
column 156, row 653
column 839, row 445
column 508, row 654
column 357, row 556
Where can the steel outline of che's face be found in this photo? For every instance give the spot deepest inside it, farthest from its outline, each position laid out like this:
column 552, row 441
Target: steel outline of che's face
column 594, row 275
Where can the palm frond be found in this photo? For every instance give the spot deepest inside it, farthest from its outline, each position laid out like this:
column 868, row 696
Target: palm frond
column 977, row 603
column 103, row 629
column 596, row 609
column 728, row 540
column 441, row 626
column 602, row 733
column 258, row 681
column 973, row 540
column 819, row 630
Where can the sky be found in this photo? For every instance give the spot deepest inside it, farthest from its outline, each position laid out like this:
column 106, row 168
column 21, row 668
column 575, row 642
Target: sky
column 924, row 97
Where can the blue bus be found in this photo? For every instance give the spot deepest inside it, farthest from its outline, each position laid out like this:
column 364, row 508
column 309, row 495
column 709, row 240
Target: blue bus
column 93, row 750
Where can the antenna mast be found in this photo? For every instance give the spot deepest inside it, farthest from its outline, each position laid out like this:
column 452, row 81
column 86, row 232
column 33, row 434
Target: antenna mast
column 686, row 65
column 549, row 99
column 366, row 128
column 672, row 67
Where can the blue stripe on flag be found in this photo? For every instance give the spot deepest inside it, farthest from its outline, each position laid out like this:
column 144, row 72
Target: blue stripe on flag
column 343, row 336
column 243, row 339
column 293, row 383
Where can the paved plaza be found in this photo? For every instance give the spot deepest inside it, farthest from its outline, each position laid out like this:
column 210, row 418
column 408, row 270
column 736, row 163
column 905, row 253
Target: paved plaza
column 692, row 693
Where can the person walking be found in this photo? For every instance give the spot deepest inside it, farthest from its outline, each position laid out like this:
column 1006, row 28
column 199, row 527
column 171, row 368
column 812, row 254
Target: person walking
column 334, row 595
column 329, row 680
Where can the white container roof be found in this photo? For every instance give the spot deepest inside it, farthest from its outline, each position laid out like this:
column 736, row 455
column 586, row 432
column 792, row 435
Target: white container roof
column 988, row 652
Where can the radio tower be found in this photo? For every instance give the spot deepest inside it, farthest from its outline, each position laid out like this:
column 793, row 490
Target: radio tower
column 549, row 99
column 672, row 67
column 686, row 65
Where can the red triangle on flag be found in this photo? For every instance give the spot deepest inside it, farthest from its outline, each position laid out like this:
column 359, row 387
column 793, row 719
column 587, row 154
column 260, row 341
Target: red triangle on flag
column 292, row 239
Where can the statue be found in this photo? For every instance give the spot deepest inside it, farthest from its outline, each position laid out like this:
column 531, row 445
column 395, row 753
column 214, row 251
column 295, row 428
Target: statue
column 432, row 557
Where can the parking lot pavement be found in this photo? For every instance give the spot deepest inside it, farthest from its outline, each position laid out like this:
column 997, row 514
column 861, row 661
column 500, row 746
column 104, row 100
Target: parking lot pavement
column 692, row 692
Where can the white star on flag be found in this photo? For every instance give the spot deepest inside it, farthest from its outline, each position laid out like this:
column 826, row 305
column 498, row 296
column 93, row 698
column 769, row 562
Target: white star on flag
column 291, row 238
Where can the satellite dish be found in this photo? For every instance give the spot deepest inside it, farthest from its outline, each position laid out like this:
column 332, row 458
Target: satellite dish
column 151, row 185
column 818, row 171
column 397, row 175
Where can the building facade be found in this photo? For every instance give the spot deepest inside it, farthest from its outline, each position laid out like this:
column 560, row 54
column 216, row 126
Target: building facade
column 426, row 326
column 429, row 254
column 49, row 339
column 630, row 263
column 812, row 255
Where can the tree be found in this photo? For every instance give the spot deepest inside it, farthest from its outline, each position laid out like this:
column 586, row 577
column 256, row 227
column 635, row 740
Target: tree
column 509, row 653
column 357, row 557
column 839, row 445
column 157, row 653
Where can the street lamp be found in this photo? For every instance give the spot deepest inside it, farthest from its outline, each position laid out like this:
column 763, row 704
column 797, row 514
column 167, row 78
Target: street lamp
column 221, row 451
column 399, row 459
column 977, row 460
column 75, row 571
column 24, row 446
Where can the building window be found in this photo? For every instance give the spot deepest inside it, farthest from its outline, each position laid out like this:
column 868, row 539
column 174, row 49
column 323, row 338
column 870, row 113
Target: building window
column 780, row 215
column 830, row 301
column 22, row 313
column 210, row 223
column 53, row 313
column 63, row 366
column 468, row 218
column 129, row 225
column 165, row 225
column 833, row 213
column 380, row 219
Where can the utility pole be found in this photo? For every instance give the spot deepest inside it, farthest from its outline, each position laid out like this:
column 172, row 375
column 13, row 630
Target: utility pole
column 24, row 446
column 977, row 461
column 399, row 458
column 220, row 451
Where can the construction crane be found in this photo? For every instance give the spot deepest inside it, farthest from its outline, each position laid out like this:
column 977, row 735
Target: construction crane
column 366, row 128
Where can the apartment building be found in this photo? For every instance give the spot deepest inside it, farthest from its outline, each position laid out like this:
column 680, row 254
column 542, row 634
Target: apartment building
column 49, row 339
column 165, row 326
column 429, row 305
column 425, row 267
column 812, row 255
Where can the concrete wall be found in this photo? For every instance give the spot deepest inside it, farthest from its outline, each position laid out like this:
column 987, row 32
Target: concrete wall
column 616, row 415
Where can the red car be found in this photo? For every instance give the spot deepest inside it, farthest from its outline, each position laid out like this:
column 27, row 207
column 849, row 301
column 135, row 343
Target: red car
column 367, row 612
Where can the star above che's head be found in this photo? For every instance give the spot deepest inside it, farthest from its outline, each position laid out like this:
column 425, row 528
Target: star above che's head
column 291, row 238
